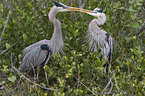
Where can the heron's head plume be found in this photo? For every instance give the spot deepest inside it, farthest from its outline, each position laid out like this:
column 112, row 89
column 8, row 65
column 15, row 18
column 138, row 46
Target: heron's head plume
column 60, row 7
column 98, row 10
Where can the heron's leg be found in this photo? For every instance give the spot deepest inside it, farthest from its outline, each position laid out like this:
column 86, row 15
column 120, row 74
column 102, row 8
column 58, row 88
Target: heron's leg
column 46, row 77
column 38, row 70
column 106, row 65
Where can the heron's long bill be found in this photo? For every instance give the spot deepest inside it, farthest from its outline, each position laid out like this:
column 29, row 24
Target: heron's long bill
column 79, row 9
column 90, row 12
column 75, row 8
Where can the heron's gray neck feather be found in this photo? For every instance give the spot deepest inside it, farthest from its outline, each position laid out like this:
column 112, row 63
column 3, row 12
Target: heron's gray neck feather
column 95, row 36
column 56, row 41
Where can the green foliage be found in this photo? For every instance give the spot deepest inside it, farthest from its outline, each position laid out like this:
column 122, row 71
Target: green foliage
column 12, row 79
column 77, row 71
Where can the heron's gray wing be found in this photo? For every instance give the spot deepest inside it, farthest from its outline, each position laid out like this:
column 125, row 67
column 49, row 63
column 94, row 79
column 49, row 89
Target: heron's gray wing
column 33, row 58
column 29, row 48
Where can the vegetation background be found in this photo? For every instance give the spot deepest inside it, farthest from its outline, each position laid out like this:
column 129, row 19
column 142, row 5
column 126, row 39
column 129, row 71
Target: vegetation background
column 78, row 71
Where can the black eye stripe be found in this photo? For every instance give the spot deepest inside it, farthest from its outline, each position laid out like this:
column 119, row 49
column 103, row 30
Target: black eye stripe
column 58, row 4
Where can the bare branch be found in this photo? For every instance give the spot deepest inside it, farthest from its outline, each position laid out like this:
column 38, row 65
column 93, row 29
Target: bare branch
column 106, row 86
column 85, row 86
column 110, row 88
column 141, row 29
column 5, row 26
column 32, row 81
column 6, row 49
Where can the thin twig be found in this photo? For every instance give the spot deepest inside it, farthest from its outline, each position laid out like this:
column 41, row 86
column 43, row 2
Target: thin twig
column 112, row 84
column 5, row 26
column 84, row 85
column 78, row 83
column 106, row 86
column 32, row 81
column 6, row 49
column 141, row 29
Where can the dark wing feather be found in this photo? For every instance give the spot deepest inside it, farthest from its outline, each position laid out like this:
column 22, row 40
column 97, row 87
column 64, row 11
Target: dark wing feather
column 45, row 47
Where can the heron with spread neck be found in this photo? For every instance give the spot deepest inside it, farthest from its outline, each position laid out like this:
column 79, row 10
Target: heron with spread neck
column 99, row 38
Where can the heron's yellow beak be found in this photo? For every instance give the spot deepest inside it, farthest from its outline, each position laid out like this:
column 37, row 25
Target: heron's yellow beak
column 90, row 12
column 79, row 9
column 68, row 8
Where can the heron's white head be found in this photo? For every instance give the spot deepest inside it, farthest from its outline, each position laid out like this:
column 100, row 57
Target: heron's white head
column 101, row 17
column 58, row 7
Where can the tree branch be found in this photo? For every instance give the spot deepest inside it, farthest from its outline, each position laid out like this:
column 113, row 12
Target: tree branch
column 141, row 29
column 6, row 49
column 85, row 86
column 107, row 86
column 5, row 26
column 32, row 81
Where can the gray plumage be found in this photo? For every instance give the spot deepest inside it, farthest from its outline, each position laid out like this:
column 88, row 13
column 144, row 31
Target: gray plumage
column 100, row 38
column 34, row 55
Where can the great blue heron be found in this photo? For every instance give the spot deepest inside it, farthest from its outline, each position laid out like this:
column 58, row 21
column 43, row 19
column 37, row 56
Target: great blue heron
column 99, row 38
column 95, row 35
column 39, row 53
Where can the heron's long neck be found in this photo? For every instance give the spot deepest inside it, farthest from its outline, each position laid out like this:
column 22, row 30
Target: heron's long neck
column 93, row 25
column 56, row 41
column 57, row 35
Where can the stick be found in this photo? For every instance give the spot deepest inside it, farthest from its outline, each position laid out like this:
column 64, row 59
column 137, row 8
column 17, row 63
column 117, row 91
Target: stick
column 5, row 26
column 84, row 85
column 106, row 86
column 32, row 81
column 6, row 49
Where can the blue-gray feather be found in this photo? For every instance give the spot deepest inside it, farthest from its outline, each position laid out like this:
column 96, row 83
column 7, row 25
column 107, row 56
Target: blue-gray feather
column 33, row 58
column 38, row 54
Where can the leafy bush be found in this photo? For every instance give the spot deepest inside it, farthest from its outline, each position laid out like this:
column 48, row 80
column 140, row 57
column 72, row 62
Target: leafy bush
column 78, row 71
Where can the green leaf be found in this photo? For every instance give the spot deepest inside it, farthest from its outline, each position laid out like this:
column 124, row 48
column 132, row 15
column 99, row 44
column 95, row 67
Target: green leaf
column 12, row 79
column 135, row 25
column 128, row 38
column 133, row 17
column 130, row 9
column 25, row 36
column 7, row 45
column 121, row 8
column 43, row 84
